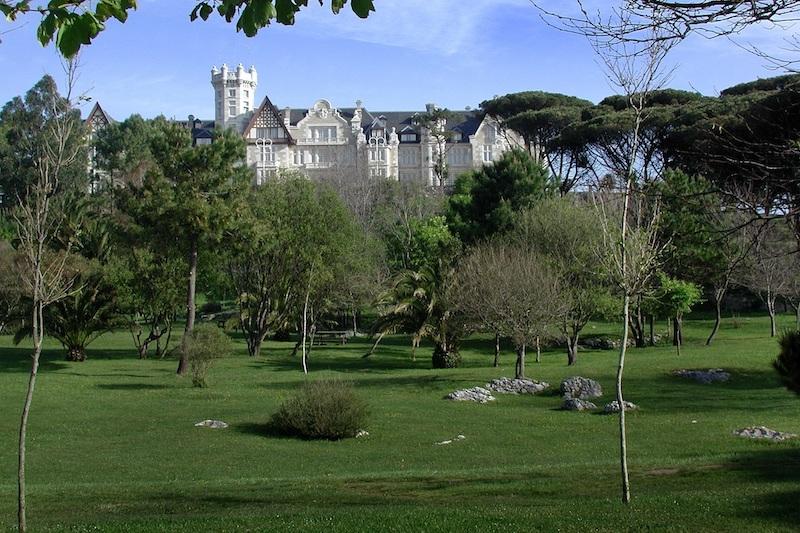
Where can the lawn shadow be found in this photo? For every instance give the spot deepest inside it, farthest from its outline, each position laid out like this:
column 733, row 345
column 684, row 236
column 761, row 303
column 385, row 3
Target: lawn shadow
column 132, row 386
column 779, row 466
column 666, row 392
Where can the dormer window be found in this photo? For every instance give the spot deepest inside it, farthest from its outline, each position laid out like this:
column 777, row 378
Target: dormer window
column 408, row 137
column 378, row 133
column 455, row 136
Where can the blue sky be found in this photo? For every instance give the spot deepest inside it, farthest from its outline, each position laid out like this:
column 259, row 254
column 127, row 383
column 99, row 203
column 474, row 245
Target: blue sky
column 455, row 53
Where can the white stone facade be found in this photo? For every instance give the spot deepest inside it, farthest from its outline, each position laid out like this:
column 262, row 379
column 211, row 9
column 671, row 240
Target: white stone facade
column 324, row 140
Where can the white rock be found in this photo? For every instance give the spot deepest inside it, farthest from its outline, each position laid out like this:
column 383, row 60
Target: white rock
column 576, row 404
column 475, row 394
column 613, row 407
column 213, row 424
column 704, row 376
column 761, row 432
column 361, row 433
column 516, row 386
column 580, row 388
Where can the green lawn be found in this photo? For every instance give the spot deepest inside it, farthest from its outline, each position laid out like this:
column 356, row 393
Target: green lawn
column 112, row 445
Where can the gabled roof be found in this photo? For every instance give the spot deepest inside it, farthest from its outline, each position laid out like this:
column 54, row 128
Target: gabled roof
column 97, row 117
column 267, row 116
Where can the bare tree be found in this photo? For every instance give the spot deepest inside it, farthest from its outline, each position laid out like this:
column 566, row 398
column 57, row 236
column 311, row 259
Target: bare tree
column 770, row 269
column 636, row 68
column 43, row 272
column 510, row 290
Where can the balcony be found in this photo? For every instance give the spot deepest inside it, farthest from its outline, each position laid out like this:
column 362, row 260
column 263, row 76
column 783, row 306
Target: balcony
column 332, row 141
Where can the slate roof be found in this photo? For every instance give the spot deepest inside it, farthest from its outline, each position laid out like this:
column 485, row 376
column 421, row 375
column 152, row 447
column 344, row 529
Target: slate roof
column 97, row 108
column 466, row 122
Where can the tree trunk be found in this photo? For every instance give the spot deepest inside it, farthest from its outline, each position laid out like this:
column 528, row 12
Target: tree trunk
column 623, row 443
column 773, row 329
column 677, row 331
column 26, row 408
column 183, row 364
column 637, row 328
column 520, row 367
column 254, row 344
column 572, row 348
column 538, row 350
column 305, row 332
column 497, row 349
column 372, row 350
column 651, row 321
column 719, row 294
column 797, row 317
column 76, row 354
column 355, row 323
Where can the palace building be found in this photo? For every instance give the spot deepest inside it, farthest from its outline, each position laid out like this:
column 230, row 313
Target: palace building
column 324, row 140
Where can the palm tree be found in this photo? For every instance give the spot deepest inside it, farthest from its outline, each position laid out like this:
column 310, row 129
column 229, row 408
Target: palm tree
column 416, row 303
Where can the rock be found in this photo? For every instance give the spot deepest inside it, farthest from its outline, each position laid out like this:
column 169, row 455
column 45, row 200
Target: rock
column 576, row 404
column 516, row 386
column 213, row 424
column 361, row 433
column 581, row 388
column 761, row 432
column 475, row 394
column 599, row 343
column 613, row 407
column 704, row 376
column 451, row 441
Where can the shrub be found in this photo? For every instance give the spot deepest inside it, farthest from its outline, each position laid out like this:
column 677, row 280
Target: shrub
column 206, row 344
column 321, row 410
column 445, row 359
column 211, row 307
column 788, row 362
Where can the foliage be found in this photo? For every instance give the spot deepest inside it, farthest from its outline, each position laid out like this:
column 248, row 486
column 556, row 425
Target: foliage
column 205, row 345
column 26, row 127
column 420, row 245
column 691, row 228
column 788, row 362
column 543, row 119
column 324, row 409
column 673, row 297
column 188, row 199
column 150, row 291
column 566, row 232
column 486, row 201
column 74, row 23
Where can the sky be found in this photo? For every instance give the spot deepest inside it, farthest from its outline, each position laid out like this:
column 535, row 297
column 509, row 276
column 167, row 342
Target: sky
column 454, row 53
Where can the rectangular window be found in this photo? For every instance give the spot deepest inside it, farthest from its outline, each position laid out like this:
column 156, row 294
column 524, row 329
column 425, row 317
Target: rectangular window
column 409, row 157
column 408, row 137
column 299, row 157
column 491, row 133
column 232, row 93
column 487, row 153
column 246, row 93
column 232, row 110
column 376, row 133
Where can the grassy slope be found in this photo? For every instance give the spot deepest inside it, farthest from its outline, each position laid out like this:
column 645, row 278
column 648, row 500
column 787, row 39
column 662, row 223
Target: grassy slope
column 112, row 444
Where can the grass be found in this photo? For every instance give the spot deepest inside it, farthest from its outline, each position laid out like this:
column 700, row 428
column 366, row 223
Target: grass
column 112, row 445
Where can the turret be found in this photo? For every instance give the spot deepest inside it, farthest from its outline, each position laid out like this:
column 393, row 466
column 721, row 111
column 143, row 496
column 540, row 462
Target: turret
column 234, row 96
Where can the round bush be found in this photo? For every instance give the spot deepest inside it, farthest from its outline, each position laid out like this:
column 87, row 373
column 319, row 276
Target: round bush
column 788, row 362
column 206, row 344
column 321, row 410
column 443, row 359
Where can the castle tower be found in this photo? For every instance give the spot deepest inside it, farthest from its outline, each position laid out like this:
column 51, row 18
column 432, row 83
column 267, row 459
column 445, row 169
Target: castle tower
column 234, row 96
